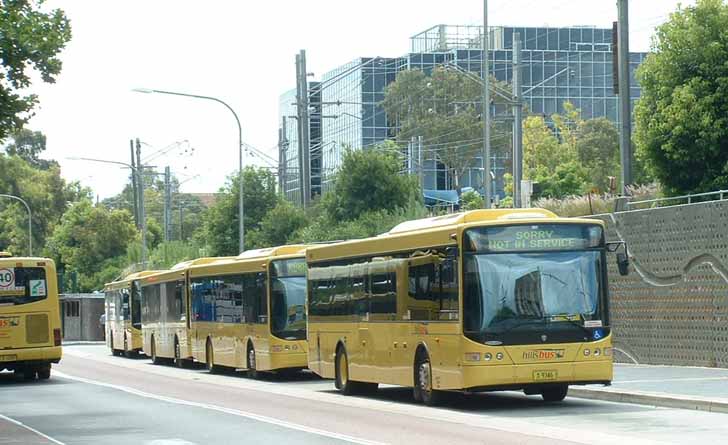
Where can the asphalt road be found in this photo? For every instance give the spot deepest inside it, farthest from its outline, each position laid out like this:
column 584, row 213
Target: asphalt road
column 96, row 398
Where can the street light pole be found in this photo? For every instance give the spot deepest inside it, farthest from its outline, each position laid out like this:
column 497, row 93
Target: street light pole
column 241, row 211
column 30, row 221
column 486, row 109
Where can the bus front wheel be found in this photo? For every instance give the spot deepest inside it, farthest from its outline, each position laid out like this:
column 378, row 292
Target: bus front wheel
column 155, row 358
column 555, row 393
column 178, row 360
column 423, row 390
column 343, row 383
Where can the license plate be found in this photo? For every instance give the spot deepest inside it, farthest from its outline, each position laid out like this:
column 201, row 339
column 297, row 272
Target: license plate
column 544, row 375
column 8, row 358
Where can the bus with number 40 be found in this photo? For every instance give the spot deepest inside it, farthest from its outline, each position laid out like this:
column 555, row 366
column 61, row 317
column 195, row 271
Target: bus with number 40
column 486, row 300
column 30, row 321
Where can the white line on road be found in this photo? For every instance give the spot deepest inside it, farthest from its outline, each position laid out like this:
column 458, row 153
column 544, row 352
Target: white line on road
column 29, row 428
column 235, row 412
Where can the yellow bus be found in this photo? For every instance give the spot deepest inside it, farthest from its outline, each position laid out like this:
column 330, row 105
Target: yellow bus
column 164, row 314
column 30, row 321
column 508, row 299
column 248, row 312
column 123, row 314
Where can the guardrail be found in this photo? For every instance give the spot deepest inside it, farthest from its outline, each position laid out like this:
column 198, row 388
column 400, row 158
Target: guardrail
column 690, row 199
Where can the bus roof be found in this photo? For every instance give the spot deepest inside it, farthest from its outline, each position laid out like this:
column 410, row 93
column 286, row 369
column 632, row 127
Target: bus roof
column 290, row 249
column 436, row 231
column 133, row 276
column 470, row 217
column 198, row 261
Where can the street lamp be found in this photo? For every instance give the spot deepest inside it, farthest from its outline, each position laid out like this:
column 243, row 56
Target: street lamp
column 138, row 171
column 241, row 212
column 30, row 221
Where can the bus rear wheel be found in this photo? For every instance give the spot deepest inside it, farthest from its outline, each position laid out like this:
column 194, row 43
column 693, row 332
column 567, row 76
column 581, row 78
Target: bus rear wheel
column 252, row 369
column 44, row 371
column 178, row 360
column 155, row 359
column 555, row 393
column 423, row 390
column 210, row 359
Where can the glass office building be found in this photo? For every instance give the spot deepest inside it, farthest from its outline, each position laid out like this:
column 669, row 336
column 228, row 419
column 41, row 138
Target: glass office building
column 571, row 64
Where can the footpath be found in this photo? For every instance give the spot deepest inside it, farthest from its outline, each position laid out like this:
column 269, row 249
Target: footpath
column 703, row 389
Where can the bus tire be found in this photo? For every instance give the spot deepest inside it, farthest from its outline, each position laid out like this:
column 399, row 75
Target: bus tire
column 210, row 359
column 251, row 362
column 423, row 381
column 127, row 352
column 114, row 352
column 343, row 383
column 156, row 360
column 554, row 393
column 44, row 371
column 178, row 360
column 28, row 372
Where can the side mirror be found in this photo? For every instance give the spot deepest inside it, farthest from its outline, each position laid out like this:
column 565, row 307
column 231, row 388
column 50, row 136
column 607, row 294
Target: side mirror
column 623, row 263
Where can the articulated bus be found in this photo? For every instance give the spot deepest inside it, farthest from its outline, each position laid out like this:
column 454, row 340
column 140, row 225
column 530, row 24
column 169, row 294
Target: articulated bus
column 164, row 309
column 30, row 321
column 123, row 314
column 248, row 312
column 508, row 299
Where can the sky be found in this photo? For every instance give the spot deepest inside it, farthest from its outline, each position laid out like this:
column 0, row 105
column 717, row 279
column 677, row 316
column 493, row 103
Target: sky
column 242, row 52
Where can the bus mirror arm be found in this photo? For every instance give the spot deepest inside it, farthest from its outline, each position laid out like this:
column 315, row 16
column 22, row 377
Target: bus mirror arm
column 622, row 257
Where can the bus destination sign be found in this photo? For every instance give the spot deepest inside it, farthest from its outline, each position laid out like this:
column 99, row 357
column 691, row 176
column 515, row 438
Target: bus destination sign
column 533, row 237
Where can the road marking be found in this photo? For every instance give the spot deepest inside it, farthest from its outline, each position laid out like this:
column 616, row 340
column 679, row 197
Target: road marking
column 234, row 412
column 29, row 428
column 677, row 379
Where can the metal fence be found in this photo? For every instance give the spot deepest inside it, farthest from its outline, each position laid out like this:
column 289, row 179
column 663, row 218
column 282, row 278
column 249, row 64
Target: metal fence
column 673, row 307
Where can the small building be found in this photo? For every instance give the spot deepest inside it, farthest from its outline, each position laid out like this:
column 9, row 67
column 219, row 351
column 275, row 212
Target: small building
column 80, row 317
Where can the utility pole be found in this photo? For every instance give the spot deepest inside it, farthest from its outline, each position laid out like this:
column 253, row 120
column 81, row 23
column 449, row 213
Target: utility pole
column 167, row 204
column 625, row 130
column 140, row 187
column 486, row 109
column 181, row 221
column 134, row 185
column 304, row 153
column 517, row 122
column 420, row 164
column 282, row 157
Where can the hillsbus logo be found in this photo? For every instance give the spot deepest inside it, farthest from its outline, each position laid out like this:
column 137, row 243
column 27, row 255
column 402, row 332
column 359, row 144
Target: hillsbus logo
column 544, row 354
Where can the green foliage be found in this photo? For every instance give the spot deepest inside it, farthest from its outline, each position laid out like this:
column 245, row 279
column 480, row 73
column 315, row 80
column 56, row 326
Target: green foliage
column 220, row 227
column 167, row 254
column 30, row 41
column 47, row 195
column 444, row 109
column 471, row 200
column 369, row 181
column 89, row 239
column 682, row 114
column 594, row 204
column 28, row 145
column 278, row 226
column 370, row 223
column 598, row 151
column 566, row 179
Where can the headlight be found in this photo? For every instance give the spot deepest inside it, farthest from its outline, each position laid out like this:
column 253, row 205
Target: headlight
column 472, row 356
column 597, row 352
column 586, row 353
column 499, row 356
column 607, row 352
column 487, row 356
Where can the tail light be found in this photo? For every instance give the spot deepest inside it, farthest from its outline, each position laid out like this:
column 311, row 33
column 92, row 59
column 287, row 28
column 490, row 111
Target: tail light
column 57, row 337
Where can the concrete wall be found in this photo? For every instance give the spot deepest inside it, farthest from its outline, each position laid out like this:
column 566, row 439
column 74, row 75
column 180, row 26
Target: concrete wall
column 80, row 315
column 673, row 307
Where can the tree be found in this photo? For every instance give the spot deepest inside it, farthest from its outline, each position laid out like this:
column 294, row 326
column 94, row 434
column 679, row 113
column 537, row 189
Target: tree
column 28, row 145
column 598, row 151
column 30, row 41
column 682, row 113
column 278, row 225
column 219, row 230
column 89, row 240
column 567, row 179
column 471, row 200
column 369, row 180
column 445, row 109
column 47, row 195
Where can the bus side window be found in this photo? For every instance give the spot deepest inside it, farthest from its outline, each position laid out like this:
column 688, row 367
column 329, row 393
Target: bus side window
column 447, row 279
column 384, row 293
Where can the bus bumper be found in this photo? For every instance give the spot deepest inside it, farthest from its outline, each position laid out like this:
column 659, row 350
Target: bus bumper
column 11, row 359
column 524, row 376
